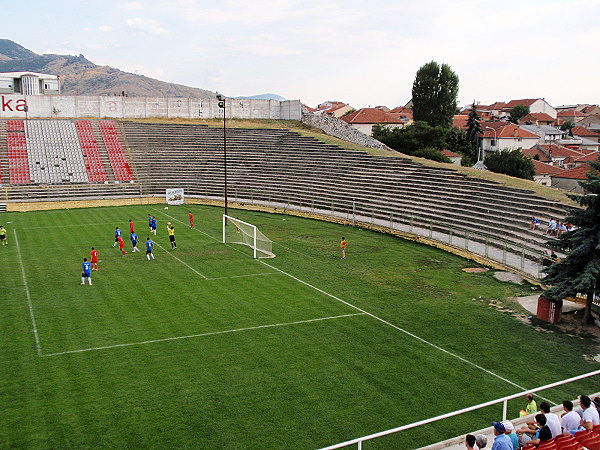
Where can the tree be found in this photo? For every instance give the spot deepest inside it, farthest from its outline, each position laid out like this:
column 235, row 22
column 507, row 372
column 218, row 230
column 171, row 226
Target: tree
column 434, row 94
column 457, row 141
column 510, row 162
column 411, row 138
column 517, row 112
column 473, row 129
column 568, row 126
column 419, row 136
column 579, row 271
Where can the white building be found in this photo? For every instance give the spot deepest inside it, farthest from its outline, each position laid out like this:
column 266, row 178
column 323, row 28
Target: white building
column 29, row 83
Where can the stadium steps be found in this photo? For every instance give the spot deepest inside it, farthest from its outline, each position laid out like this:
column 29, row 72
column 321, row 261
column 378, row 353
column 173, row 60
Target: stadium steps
column 4, row 176
column 103, row 152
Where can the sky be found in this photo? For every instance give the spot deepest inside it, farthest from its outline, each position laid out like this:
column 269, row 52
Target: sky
column 365, row 53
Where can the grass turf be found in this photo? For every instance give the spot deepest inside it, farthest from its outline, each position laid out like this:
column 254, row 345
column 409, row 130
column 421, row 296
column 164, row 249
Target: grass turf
column 298, row 385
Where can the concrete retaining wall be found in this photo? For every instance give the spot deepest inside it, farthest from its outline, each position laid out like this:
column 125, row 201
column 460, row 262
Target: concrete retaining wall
column 340, row 129
column 61, row 106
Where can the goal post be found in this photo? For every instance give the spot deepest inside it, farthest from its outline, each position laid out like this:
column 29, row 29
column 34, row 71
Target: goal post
column 244, row 233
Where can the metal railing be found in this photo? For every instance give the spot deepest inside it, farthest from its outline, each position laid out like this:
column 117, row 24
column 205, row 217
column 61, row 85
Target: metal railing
column 503, row 400
column 522, row 258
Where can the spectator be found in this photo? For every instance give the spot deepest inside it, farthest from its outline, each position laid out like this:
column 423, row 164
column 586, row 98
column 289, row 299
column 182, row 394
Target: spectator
column 552, row 419
column 597, row 403
column 531, row 404
column 551, row 227
column 541, row 434
column 509, row 430
column 501, row 440
column 570, row 419
column 590, row 415
column 470, row 442
column 481, row 441
column 534, row 223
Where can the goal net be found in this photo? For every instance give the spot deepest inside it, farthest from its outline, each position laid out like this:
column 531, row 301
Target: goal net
column 236, row 231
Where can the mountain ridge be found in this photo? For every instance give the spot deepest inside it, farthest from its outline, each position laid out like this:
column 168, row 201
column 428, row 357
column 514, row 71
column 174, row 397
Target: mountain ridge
column 80, row 76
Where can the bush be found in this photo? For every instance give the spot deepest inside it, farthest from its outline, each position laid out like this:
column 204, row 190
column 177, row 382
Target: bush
column 510, row 162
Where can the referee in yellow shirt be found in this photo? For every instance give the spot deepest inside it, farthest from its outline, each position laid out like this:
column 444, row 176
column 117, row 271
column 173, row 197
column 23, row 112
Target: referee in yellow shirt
column 171, row 231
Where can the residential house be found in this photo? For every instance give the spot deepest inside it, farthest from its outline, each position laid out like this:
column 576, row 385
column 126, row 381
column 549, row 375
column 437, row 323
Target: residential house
column 364, row 119
column 483, row 111
column 560, row 156
column 538, row 119
column 460, row 121
column 543, row 172
column 546, row 133
column 587, row 158
column 496, row 109
column 454, row 157
column 536, row 105
column 590, row 138
column 570, row 115
column 335, row 109
column 592, row 122
column 505, row 135
column 569, row 179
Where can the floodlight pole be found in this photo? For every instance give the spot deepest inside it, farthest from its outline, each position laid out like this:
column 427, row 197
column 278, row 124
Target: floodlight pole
column 221, row 99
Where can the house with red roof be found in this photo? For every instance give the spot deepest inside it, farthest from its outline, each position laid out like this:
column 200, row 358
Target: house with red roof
column 364, row 119
column 334, row 109
column 504, row 135
column 536, row 105
column 496, row 108
column 536, row 119
column 590, row 139
column 454, row 157
column 543, row 172
column 569, row 179
column 570, row 115
column 460, row 121
column 592, row 122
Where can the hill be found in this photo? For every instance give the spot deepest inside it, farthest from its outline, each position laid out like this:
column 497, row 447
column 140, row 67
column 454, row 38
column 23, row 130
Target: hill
column 79, row 76
column 264, row 97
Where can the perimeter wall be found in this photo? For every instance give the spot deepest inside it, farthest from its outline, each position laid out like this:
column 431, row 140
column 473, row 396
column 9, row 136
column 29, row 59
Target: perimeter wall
column 65, row 106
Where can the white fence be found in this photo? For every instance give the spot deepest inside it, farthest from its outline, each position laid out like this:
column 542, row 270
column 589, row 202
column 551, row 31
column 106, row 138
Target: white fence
column 503, row 400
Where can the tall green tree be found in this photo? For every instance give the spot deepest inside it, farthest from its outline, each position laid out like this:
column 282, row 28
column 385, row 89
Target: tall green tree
column 473, row 129
column 434, row 94
column 517, row 112
column 510, row 162
column 579, row 271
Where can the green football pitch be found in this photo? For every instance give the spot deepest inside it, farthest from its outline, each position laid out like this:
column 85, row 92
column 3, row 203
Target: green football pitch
column 205, row 347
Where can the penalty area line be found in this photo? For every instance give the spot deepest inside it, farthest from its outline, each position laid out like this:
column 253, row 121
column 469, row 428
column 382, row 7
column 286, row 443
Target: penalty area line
column 29, row 303
column 214, row 333
column 424, row 341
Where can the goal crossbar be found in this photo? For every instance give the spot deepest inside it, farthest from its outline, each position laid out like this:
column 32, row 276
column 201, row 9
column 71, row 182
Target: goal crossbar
column 244, row 233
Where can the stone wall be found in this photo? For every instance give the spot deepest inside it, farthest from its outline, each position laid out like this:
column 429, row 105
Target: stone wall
column 66, row 106
column 340, row 129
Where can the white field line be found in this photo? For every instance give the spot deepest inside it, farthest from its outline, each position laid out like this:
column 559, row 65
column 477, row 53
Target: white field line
column 214, row 333
column 71, row 225
column 242, row 276
column 460, row 358
column 31, row 315
column 397, row 328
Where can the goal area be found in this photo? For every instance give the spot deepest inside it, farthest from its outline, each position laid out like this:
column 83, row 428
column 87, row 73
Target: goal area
column 244, row 233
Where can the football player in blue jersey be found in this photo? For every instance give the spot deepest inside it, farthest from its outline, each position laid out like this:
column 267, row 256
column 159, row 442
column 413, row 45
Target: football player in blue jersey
column 86, row 271
column 149, row 246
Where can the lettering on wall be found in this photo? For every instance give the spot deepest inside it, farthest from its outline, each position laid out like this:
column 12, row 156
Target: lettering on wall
column 8, row 105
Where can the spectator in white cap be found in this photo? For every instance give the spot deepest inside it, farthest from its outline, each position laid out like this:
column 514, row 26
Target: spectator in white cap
column 509, row 430
column 501, row 440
